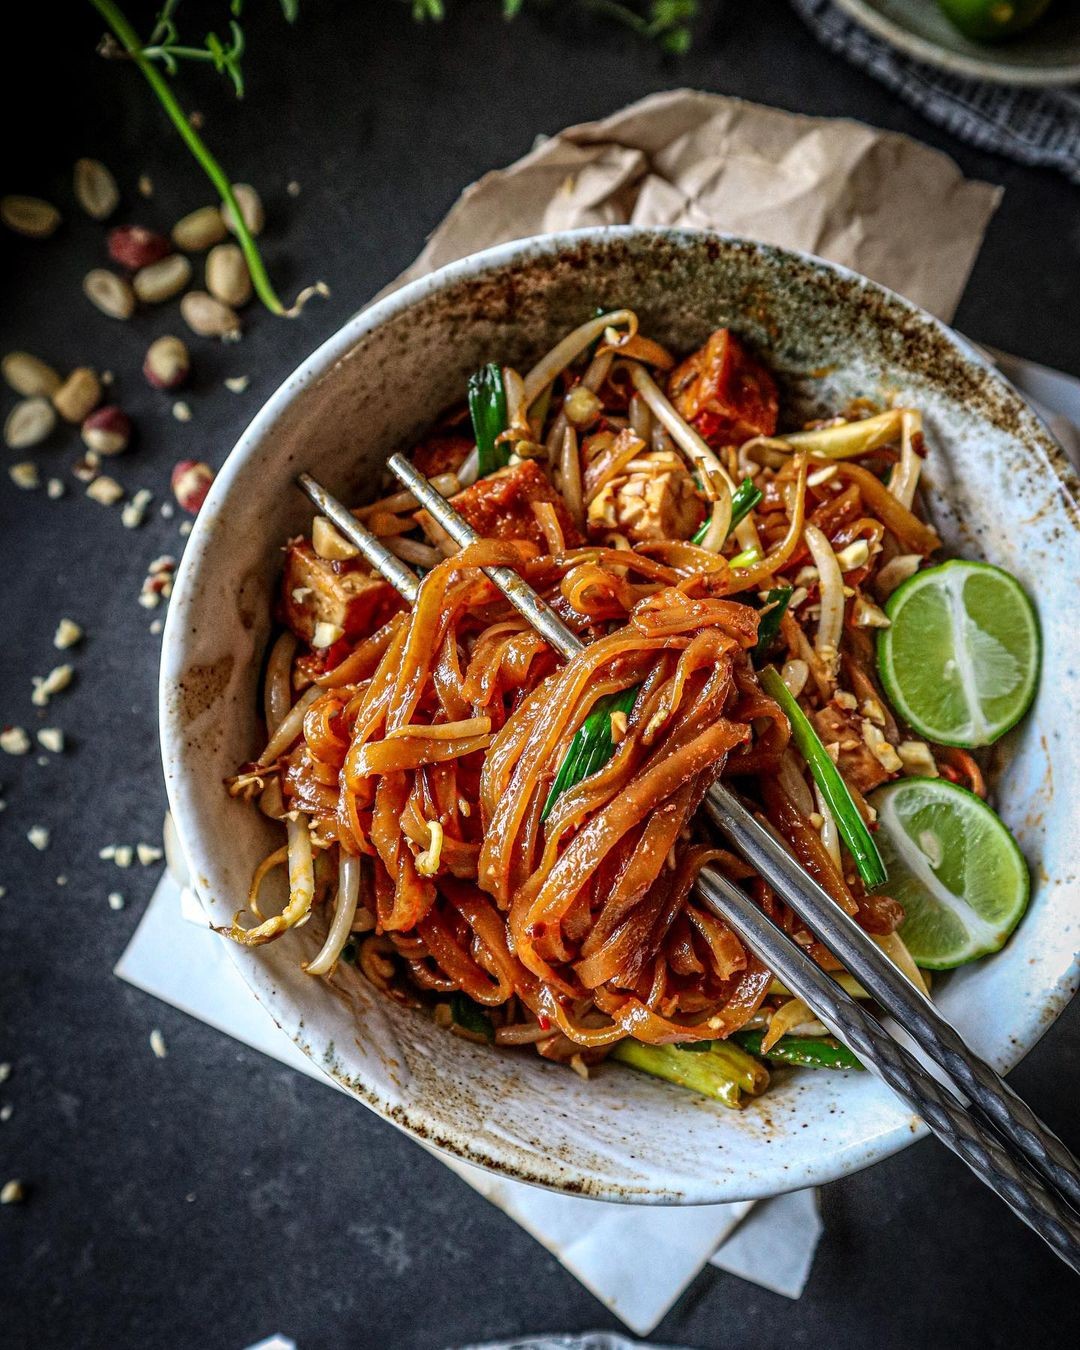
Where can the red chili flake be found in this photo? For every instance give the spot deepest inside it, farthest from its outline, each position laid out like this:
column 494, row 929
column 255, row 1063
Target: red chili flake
column 543, row 1022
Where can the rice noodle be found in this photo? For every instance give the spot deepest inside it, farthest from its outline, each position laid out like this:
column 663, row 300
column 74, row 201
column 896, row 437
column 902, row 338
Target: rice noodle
column 791, row 775
column 831, row 582
column 572, row 346
column 348, row 892
column 430, row 749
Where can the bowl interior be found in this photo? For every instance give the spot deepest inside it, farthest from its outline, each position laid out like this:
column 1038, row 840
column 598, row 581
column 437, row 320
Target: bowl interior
column 996, row 489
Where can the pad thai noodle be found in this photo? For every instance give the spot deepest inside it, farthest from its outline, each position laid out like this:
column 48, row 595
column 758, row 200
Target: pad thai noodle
column 509, row 841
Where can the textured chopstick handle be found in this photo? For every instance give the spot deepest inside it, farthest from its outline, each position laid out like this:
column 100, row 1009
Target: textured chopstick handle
column 987, row 1091
column 942, row 1111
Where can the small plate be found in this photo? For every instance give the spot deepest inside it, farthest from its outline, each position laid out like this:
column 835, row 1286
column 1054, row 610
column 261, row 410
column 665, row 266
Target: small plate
column 1047, row 55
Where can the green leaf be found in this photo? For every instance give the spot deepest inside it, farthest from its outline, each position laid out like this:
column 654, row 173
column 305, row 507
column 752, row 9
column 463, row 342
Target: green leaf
column 471, row 1016
column 591, row 746
column 743, row 500
column 487, row 406
column 769, row 626
column 827, row 776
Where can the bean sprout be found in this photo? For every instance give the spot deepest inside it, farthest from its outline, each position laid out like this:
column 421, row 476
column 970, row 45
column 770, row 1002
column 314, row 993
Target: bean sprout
column 344, row 911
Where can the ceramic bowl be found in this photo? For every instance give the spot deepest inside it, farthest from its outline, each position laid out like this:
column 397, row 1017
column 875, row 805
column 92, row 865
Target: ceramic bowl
column 998, row 488
column 1047, row 55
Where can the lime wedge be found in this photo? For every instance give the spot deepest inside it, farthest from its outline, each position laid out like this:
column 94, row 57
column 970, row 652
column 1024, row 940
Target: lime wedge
column 953, row 866
column 960, row 660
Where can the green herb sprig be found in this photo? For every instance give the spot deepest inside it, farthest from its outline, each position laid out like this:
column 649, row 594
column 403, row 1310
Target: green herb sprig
column 165, row 50
column 666, row 22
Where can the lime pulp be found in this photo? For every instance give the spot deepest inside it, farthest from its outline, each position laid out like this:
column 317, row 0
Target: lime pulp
column 960, row 659
column 953, row 866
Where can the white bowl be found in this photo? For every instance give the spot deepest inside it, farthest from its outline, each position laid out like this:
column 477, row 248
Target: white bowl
column 998, row 487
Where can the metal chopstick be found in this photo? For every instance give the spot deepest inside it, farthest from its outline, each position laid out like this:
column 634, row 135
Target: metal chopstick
column 987, row 1091
column 946, row 1116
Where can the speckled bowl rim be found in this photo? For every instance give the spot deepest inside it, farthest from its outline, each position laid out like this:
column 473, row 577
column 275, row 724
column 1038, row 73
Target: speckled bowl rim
column 420, row 1122
column 913, row 44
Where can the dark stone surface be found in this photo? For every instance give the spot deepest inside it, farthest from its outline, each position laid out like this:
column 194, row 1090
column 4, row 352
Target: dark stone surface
column 210, row 1198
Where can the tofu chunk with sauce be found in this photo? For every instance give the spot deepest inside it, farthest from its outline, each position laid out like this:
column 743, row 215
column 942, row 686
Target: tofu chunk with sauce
column 654, row 497
column 500, row 506
column 342, row 595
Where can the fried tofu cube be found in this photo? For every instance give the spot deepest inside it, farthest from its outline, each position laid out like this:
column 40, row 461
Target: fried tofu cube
column 654, row 498
column 500, row 505
column 725, row 394
column 341, row 595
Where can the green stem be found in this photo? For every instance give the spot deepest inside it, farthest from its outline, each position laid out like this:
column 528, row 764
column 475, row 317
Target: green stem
column 128, row 38
column 710, row 1075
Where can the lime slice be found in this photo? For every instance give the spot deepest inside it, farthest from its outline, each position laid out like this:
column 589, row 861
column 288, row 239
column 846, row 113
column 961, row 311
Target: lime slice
column 960, row 660
column 953, row 866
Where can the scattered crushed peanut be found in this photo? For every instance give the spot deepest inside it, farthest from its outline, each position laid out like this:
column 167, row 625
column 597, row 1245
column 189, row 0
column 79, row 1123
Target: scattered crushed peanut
column 116, row 900
column 160, row 281
column 55, row 489
column 134, row 511
column 157, row 1044
column 147, row 854
column 68, row 633
column 107, row 431
column 25, row 475
column 78, row 396
column 105, row 490
column 52, row 738
column 57, row 680
column 167, row 363
column 236, row 384
column 191, row 480
column 38, row 835
column 14, row 741
column 181, row 411
column 12, row 1193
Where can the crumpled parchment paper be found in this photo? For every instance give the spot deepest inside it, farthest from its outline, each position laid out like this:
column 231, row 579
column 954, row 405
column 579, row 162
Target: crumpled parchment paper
column 875, row 201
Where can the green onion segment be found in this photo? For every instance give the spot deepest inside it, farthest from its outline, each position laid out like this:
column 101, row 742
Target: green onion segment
column 716, row 1069
column 826, row 775
column 487, row 406
column 591, row 747
column 743, row 500
column 809, row 1052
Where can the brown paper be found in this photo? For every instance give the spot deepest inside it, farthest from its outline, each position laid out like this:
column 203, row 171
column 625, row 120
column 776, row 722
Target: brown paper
column 875, row 201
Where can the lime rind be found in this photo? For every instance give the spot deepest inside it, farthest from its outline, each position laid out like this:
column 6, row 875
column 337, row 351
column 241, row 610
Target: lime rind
column 954, row 867
column 973, row 676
